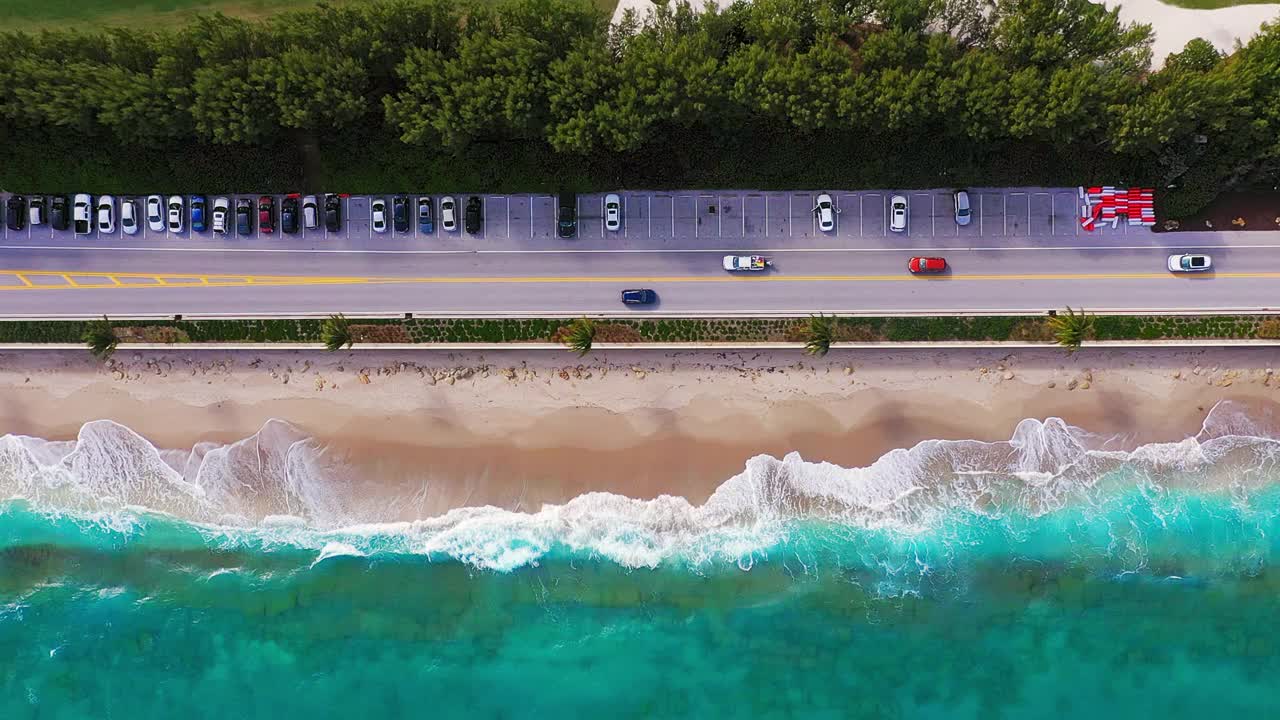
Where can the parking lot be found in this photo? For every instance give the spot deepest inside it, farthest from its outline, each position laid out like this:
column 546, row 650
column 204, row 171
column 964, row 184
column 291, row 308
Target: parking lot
column 736, row 219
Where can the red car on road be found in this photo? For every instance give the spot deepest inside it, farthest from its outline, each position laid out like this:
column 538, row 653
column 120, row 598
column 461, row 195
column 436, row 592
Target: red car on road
column 926, row 265
column 266, row 214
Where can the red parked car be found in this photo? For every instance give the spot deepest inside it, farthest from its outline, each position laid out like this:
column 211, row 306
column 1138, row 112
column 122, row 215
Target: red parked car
column 924, row 265
column 266, row 214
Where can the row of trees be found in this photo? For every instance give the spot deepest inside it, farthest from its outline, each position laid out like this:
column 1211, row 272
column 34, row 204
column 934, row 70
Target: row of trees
column 962, row 76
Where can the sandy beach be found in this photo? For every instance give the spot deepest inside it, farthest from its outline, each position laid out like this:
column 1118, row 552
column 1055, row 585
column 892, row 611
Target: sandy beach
column 519, row 429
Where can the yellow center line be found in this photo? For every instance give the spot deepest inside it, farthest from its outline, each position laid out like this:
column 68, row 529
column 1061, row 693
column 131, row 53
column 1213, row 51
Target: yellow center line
column 195, row 280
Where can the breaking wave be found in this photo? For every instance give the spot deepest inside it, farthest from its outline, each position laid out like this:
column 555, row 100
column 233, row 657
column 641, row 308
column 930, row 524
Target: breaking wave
column 281, row 490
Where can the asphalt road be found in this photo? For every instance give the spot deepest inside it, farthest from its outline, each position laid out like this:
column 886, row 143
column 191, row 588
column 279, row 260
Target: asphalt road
column 1006, row 264
column 123, row 282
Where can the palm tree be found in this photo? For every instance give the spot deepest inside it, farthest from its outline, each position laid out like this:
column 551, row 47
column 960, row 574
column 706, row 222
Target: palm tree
column 101, row 338
column 820, row 333
column 580, row 336
column 1071, row 329
column 335, row 332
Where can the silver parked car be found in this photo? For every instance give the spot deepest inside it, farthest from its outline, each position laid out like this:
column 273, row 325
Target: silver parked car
column 106, row 215
column 964, row 213
column 612, row 212
column 129, row 216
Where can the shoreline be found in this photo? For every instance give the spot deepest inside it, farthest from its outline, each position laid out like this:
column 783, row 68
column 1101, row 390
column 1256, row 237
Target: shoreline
column 466, row 429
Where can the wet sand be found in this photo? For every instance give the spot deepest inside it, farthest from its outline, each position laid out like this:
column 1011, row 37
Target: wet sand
column 519, row 429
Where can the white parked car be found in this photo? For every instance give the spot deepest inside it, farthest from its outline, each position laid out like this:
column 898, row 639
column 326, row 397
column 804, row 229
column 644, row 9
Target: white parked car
column 221, row 211
column 378, row 214
column 129, row 216
column 106, row 215
column 826, row 212
column 898, row 213
column 612, row 212
column 449, row 214
column 82, row 214
column 310, row 212
column 964, row 213
column 1189, row 263
column 175, row 213
column 155, row 213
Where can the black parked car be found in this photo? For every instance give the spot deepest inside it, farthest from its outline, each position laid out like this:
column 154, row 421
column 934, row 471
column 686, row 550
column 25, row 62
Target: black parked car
column 332, row 212
column 474, row 214
column 289, row 215
column 641, row 296
column 15, row 213
column 244, row 216
column 59, row 215
column 400, row 213
column 567, row 226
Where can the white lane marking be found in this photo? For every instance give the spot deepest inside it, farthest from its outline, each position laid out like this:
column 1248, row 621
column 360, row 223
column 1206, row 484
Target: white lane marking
column 641, row 251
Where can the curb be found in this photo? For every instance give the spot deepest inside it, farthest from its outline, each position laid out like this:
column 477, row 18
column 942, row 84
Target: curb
column 642, row 315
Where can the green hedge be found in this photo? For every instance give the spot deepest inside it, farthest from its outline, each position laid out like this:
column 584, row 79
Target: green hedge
column 498, row 330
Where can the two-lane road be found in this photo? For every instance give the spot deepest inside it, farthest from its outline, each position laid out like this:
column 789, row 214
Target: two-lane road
column 1028, row 275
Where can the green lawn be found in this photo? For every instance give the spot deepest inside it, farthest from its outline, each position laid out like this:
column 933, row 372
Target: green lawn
column 1213, row 4
column 34, row 15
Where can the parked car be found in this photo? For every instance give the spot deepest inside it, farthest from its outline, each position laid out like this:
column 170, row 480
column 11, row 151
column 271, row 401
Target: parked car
column 106, row 215
column 198, row 205
column 826, row 212
column 221, row 209
column 378, row 215
column 475, row 214
column 58, row 215
column 426, row 216
column 15, row 212
column 449, row 214
column 155, row 213
column 612, row 212
column 244, row 216
column 898, row 213
column 964, row 214
column 1189, row 263
column 926, row 265
column 640, row 296
column 400, row 213
column 332, row 212
column 266, row 214
column 175, row 214
column 567, row 224
column 289, row 215
column 310, row 212
column 82, row 214
column 36, row 214
column 129, row 216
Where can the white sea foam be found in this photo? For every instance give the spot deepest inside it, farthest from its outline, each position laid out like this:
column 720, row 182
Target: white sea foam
column 280, row 487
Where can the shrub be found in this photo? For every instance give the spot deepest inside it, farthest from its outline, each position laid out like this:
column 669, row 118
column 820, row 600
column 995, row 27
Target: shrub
column 1071, row 329
column 335, row 332
column 101, row 338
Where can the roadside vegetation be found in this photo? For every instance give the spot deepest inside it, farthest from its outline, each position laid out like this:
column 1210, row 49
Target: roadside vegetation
column 818, row 333
column 533, row 95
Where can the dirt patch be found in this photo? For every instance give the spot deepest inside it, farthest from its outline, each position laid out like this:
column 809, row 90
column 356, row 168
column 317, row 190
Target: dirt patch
column 605, row 333
column 380, row 334
column 151, row 334
column 1031, row 330
column 1255, row 210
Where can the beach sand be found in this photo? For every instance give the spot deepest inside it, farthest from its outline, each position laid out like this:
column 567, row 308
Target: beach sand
column 517, row 429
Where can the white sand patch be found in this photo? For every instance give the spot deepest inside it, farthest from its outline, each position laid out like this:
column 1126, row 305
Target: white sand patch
column 1173, row 26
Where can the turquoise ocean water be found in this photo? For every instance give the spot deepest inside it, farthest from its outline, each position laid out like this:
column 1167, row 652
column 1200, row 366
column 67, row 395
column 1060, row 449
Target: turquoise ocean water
column 1056, row 575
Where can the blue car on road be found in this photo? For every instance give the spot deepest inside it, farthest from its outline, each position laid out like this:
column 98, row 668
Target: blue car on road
column 640, row 296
